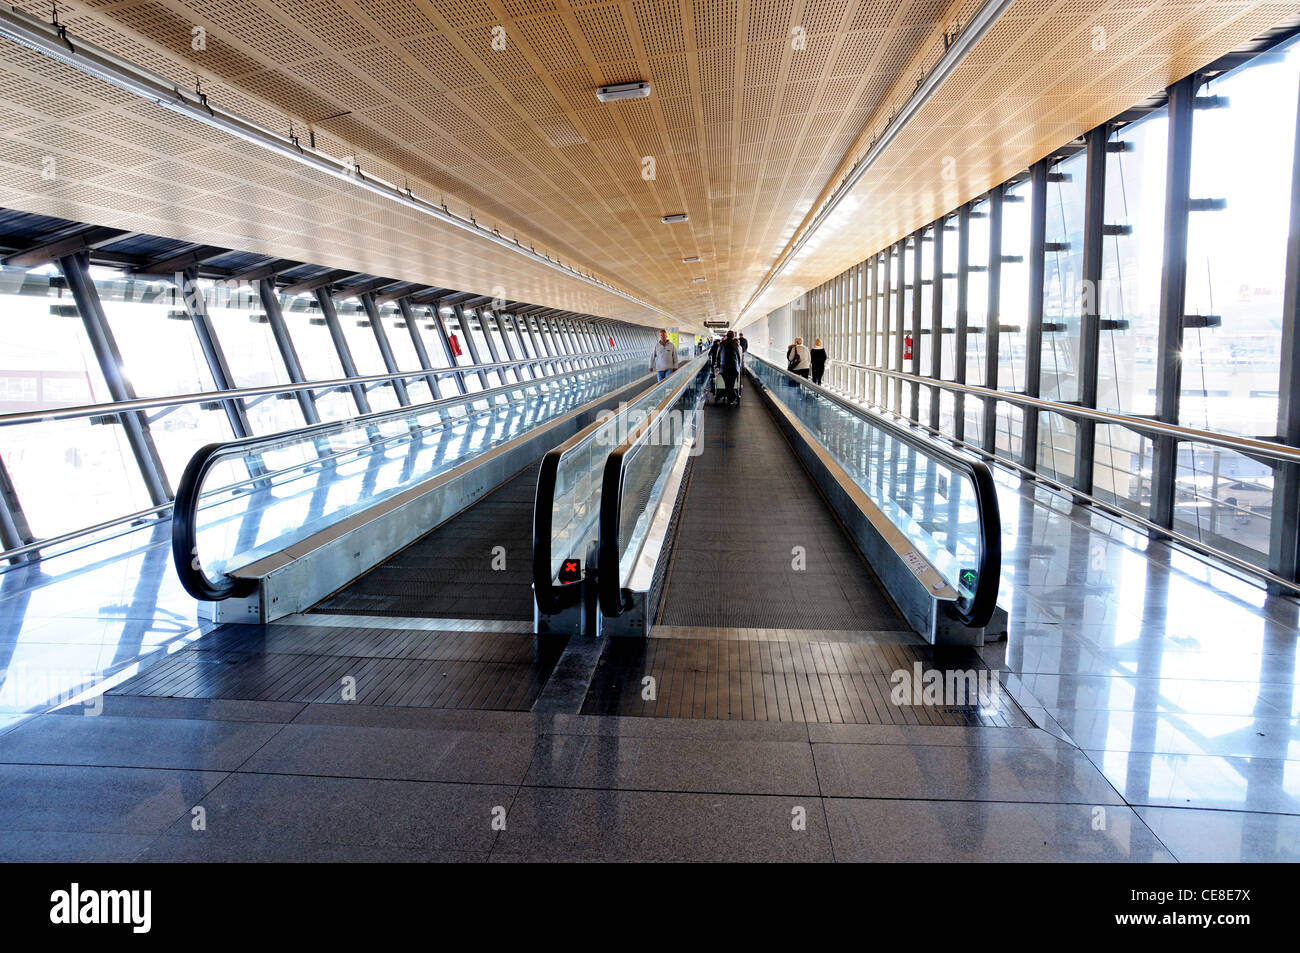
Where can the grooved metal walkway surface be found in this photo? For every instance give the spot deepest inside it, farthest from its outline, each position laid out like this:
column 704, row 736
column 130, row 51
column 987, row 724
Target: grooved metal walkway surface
column 450, row 573
column 798, row 681
column 380, row 667
column 757, row 546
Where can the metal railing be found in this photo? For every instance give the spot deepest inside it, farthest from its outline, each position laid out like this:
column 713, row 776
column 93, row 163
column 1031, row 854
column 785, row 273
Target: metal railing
column 131, row 521
column 1246, row 446
column 552, row 599
column 191, row 493
column 614, row 600
column 978, row 610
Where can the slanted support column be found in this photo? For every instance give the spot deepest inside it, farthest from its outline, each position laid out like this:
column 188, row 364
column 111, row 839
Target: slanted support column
column 76, row 272
column 417, row 340
column 468, row 335
column 1284, row 542
column 491, row 344
column 385, row 349
column 1034, row 322
column 440, row 331
column 1173, row 297
column 14, row 529
column 993, row 321
column 271, row 305
column 197, row 308
column 1094, row 211
column 330, row 315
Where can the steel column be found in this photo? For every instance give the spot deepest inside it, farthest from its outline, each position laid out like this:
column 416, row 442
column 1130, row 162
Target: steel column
column 76, row 272
column 963, row 316
column 993, row 319
column 1037, row 259
column 900, row 323
column 197, row 308
column 330, row 315
column 936, row 324
column 918, row 274
column 385, row 349
column 417, row 341
column 1284, row 542
column 1173, row 297
column 468, row 335
column 284, row 342
column 1094, row 217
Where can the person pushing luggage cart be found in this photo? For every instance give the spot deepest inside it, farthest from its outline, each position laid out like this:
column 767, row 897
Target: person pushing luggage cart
column 726, row 370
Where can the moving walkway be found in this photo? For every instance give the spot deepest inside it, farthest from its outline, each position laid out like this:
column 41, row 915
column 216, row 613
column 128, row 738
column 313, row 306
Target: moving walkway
column 800, row 510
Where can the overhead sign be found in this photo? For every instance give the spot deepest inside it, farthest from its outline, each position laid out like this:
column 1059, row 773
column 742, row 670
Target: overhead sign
column 717, row 324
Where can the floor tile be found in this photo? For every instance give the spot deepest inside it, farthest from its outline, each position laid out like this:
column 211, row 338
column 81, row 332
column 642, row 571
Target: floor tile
column 994, row 832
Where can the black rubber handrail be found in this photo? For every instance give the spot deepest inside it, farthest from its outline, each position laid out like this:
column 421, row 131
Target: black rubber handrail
column 551, row 598
column 613, row 599
column 978, row 611
column 185, row 508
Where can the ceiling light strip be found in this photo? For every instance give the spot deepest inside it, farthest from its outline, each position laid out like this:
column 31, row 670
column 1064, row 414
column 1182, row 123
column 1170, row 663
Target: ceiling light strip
column 54, row 42
column 952, row 57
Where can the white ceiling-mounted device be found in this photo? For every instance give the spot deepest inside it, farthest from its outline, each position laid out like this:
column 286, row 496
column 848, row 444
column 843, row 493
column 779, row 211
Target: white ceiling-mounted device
column 621, row 91
column 674, row 218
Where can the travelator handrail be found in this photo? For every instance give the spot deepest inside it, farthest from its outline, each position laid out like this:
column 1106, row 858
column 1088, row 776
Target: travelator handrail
column 552, row 599
column 189, row 495
column 1247, row 446
column 316, row 387
column 613, row 600
column 1064, row 486
column 978, row 612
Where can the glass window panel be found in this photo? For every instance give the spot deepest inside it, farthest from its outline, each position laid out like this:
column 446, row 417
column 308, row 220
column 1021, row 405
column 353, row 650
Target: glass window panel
column 1121, row 471
column 365, row 354
column 317, row 354
column 1236, row 258
column 251, row 353
column 142, row 317
column 1131, row 267
column 1062, row 300
column 67, row 474
column 948, row 344
column 1224, row 499
column 1056, row 436
column 1013, row 301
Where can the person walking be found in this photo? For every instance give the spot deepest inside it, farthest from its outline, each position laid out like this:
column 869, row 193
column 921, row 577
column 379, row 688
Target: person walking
column 663, row 359
column 799, row 357
column 729, row 361
column 744, row 344
column 818, row 358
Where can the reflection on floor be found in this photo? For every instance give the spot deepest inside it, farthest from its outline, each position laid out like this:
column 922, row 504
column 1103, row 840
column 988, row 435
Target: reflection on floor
column 1164, row 692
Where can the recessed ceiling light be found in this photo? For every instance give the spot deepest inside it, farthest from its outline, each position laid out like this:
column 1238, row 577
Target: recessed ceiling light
column 697, row 280
column 674, row 218
column 620, row 91
column 690, row 261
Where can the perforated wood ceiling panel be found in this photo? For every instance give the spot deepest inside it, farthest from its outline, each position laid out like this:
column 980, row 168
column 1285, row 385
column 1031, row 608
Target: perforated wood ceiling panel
column 759, row 107
column 1047, row 72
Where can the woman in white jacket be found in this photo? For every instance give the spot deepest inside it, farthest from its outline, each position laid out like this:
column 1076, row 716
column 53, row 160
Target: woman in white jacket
column 799, row 358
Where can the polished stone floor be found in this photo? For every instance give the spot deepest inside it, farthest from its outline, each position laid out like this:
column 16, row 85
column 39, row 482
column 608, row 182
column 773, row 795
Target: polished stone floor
column 1162, row 690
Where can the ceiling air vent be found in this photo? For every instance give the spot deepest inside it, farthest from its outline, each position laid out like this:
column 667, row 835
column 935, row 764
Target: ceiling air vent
column 621, row 91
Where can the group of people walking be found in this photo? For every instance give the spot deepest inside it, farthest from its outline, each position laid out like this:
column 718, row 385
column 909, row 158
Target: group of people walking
column 726, row 354
column 805, row 362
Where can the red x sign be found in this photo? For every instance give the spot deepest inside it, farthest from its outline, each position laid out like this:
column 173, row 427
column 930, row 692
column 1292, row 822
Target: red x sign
column 571, row 571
